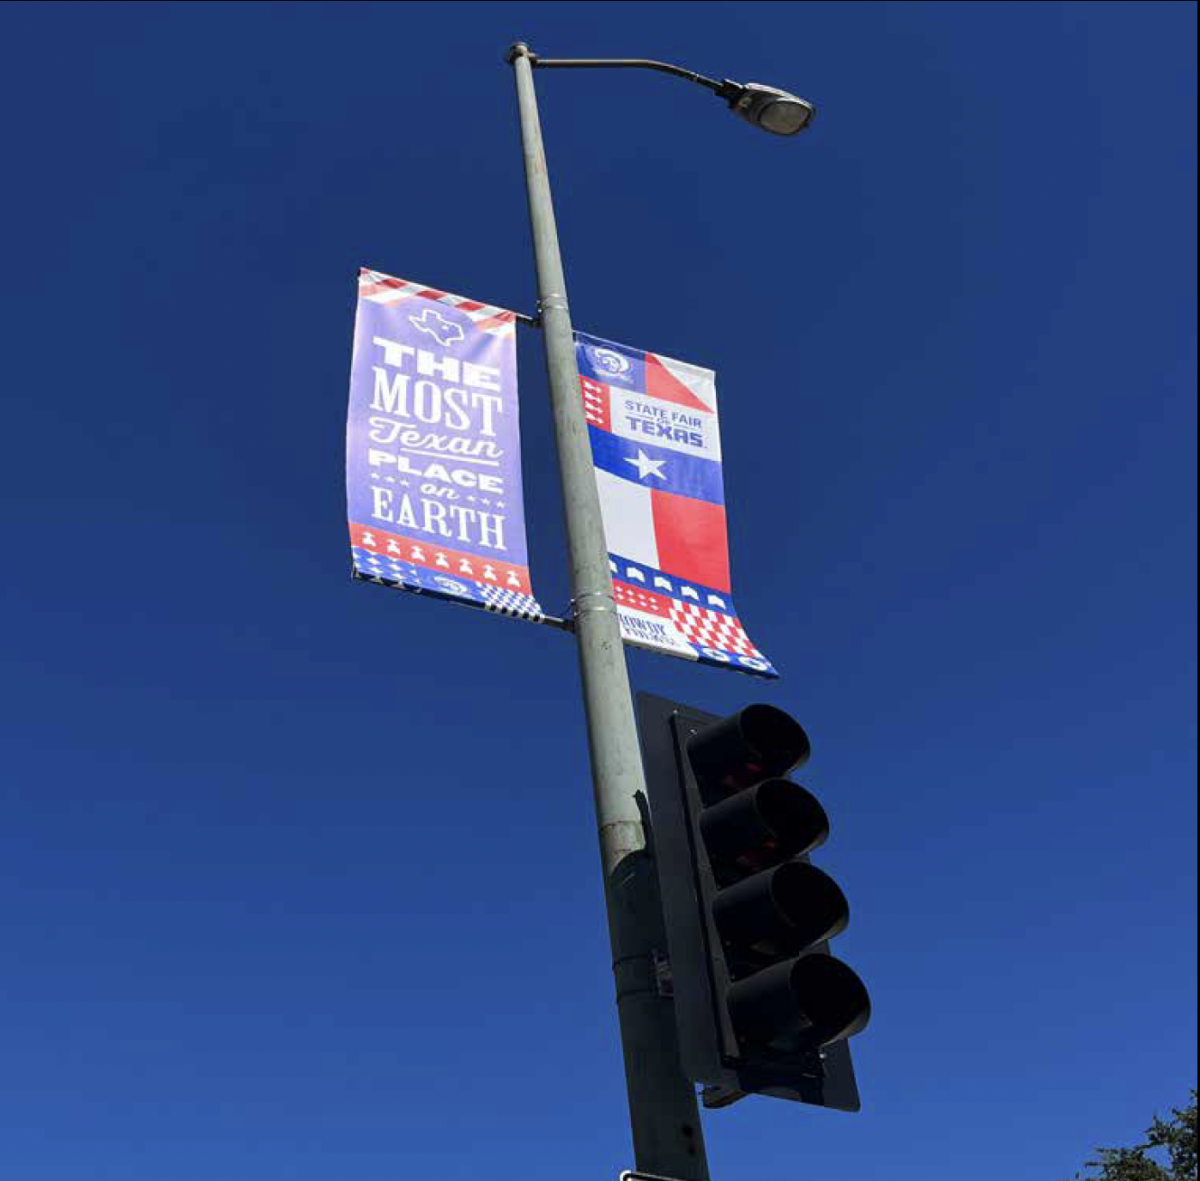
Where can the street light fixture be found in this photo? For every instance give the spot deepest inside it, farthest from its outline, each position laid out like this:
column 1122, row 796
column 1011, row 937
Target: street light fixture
column 774, row 110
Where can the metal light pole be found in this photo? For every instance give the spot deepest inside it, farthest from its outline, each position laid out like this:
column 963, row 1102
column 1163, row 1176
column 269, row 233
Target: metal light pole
column 664, row 1113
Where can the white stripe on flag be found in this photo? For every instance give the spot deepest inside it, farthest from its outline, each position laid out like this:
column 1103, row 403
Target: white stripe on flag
column 628, row 519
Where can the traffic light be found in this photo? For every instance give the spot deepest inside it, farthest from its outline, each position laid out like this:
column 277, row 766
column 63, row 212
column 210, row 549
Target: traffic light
column 761, row 1005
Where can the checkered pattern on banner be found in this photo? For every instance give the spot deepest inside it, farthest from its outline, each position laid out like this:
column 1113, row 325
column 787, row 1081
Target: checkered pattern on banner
column 511, row 603
column 384, row 289
column 711, row 629
column 384, row 569
column 402, row 576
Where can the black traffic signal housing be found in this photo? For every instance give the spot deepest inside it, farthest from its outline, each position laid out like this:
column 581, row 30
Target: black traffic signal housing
column 761, row 1005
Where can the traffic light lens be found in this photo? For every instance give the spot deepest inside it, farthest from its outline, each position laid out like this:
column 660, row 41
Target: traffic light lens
column 812, row 902
column 761, row 742
column 762, row 826
column 783, row 911
column 794, row 815
column 800, row 1005
column 834, row 1000
column 777, row 738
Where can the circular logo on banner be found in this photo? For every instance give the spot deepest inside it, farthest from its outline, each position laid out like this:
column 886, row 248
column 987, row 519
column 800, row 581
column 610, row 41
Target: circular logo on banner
column 750, row 662
column 452, row 587
column 610, row 362
column 758, row 666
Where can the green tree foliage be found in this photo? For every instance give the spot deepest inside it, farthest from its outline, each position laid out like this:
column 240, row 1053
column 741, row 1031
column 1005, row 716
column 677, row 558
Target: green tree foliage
column 1169, row 1153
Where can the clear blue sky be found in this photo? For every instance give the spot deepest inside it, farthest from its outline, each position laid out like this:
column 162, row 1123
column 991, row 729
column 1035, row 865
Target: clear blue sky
column 300, row 878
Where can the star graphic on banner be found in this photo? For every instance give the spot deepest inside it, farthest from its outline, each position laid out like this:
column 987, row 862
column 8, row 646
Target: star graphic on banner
column 647, row 466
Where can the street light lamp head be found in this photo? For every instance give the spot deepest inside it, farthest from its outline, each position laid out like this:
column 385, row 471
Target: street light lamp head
column 773, row 110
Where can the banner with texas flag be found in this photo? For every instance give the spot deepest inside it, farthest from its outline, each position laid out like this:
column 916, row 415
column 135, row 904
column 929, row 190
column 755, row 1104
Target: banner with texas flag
column 433, row 448
column 656, row 445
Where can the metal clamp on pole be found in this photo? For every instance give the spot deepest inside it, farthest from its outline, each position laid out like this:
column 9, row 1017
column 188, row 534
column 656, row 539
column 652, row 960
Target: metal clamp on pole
column 554, row 303
column 593, row 601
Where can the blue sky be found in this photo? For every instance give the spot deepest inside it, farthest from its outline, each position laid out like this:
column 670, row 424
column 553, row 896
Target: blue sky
column 300, row 875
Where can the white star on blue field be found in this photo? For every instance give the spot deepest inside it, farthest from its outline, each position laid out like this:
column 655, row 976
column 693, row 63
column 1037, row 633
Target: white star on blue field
column 646, row 466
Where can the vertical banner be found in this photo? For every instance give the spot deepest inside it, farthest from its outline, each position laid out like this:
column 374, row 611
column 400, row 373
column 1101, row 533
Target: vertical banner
column 433, row 448
column 656, row 445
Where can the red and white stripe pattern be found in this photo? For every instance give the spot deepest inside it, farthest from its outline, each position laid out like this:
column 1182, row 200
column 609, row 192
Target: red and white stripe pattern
column 384, row 289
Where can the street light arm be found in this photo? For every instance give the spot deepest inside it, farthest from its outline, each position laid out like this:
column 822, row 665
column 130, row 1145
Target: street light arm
column 631, row 63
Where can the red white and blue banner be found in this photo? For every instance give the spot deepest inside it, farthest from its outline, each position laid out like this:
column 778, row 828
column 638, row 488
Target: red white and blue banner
column 656, row 445
column 433, row 448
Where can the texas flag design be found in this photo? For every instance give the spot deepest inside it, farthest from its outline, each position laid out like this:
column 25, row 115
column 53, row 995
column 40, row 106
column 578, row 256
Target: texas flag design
column 656, row 446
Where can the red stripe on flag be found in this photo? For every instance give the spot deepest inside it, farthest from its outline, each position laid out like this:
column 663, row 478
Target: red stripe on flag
column 692, row 540
column 499, row 321
column 368, row 290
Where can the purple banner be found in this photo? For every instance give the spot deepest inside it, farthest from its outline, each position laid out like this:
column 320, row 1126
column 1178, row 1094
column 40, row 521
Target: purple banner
column 433, row 448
